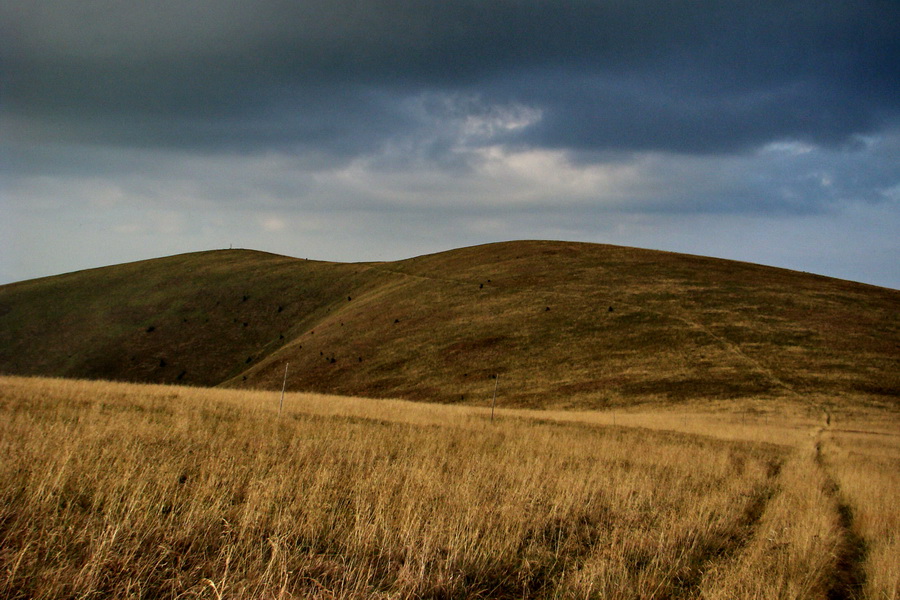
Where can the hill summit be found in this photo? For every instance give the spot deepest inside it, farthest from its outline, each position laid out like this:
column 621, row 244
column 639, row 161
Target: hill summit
column 561, row 324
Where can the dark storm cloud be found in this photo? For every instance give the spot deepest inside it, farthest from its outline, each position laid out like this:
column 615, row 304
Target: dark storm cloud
column 690, row 76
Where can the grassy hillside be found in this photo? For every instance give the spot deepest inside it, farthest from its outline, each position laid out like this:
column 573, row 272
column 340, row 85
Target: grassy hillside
column 563, row 324
column 196, row 318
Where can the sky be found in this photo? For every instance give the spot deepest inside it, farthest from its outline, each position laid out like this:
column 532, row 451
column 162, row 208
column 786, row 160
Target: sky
column 356, row 130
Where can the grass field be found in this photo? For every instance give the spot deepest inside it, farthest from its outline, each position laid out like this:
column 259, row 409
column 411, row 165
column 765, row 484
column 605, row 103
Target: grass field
column 126, row 491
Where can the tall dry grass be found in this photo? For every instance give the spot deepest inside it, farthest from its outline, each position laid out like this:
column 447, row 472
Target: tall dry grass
column 152, row 492
column 832, row 529
column 866, row 467
column 111, row 490
column 792, row 553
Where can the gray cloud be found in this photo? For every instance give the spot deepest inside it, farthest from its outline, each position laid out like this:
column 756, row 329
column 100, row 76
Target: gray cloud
column 683, row 76
column 183, row 122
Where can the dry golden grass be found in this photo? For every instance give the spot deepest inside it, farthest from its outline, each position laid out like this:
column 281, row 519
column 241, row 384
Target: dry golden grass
column 114, row 490
column 866, row 466
column 792, row 553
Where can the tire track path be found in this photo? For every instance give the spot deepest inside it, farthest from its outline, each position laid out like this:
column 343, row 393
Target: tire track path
column 849, row 576
column 724, row 545
column 698, row 554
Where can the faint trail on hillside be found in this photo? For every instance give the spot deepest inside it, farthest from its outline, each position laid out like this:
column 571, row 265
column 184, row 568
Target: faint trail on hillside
column 423, row 277
column 864, row 432
column 849, row 576
column 736, row 350
column 723, row 342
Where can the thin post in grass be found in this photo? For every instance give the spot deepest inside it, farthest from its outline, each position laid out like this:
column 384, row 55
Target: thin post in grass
column 283, row 387
column 494, row 399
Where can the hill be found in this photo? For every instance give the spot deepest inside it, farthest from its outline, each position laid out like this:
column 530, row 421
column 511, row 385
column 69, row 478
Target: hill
column 562, row 324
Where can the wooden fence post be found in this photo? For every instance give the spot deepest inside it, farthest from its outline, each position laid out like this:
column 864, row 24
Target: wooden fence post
column 283, row 387
column 494, row 399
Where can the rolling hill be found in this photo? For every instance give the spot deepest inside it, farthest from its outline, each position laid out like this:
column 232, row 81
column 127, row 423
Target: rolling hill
column 562, row 324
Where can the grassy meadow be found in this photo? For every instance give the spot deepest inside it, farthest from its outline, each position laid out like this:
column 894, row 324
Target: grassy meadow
column 112, row 490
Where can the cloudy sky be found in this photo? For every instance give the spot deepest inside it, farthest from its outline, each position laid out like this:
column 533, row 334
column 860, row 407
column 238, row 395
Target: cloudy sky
column 760, row 130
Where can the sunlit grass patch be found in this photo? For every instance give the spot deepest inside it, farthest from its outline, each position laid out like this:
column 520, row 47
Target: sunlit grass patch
column 154, row 492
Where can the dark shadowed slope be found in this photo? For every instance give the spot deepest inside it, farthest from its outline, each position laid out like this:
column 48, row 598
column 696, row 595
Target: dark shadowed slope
column 562, row 324
column 196, row 318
